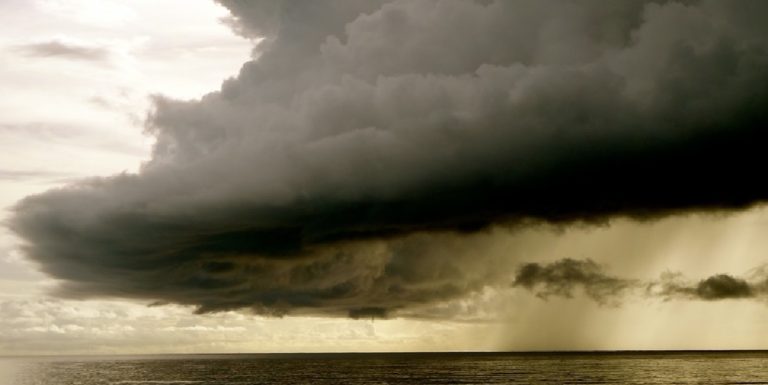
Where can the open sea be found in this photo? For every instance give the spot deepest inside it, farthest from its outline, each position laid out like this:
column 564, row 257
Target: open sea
column 738, row 367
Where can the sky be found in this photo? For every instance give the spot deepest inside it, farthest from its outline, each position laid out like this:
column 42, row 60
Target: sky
column 274, row 176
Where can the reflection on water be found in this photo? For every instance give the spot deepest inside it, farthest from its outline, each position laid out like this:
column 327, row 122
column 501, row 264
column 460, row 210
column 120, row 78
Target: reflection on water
column 417, row 368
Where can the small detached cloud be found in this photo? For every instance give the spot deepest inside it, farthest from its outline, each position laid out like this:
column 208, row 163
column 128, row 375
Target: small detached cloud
column 32, row 175
column 716, row 287
column 563, row 277
column 65, row 50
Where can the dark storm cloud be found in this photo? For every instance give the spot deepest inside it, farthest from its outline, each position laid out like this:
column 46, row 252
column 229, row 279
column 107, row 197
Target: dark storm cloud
column 312, row 181
column 563, row 277
column 55, row 48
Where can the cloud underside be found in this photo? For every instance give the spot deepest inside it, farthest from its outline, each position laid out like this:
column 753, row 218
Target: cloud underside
column 330, row 174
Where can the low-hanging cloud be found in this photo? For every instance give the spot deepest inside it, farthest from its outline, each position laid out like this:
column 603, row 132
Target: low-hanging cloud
column 716, row 287
column 365, row 130
column 564, row 277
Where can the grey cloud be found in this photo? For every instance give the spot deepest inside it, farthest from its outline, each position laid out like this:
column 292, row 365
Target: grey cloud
column 563, row 277
column 716, row 287
column 315, row 178
column 56, row 48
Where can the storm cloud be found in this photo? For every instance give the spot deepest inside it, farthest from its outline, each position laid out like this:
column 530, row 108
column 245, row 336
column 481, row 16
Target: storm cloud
column 329, row 175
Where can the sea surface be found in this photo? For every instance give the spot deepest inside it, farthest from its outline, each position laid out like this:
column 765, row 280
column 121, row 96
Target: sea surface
column 395, row 368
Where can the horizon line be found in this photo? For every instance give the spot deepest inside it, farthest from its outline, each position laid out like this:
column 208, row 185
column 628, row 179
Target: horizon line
column 437, row 352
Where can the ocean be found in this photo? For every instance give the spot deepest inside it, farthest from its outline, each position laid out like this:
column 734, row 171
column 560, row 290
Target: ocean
column 738, row 367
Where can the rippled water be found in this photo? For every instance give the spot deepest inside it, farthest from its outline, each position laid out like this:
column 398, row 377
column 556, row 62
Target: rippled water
column 416, row 368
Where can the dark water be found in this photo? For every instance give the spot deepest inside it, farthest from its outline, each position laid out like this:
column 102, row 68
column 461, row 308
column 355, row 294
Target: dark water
column 417, row 368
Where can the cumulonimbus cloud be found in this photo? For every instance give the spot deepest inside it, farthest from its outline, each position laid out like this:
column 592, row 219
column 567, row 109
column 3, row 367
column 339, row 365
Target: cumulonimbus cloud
column 363, row 122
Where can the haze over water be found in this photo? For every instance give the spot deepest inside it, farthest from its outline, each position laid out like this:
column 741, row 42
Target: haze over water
column 395, row 368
